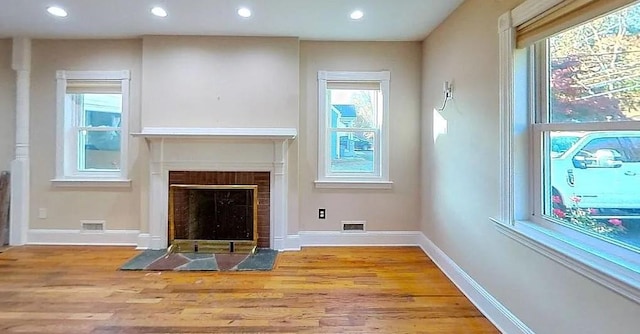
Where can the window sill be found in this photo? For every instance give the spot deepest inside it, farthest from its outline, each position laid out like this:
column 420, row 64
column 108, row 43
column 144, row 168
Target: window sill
column 614, row 273
column 91, row 183
column 344, row 184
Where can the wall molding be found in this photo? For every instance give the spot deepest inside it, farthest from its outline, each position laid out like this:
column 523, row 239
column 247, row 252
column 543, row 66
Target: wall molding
column 371, row 238
column 78, row 237
column 497, row 313
column 290, row 243
column 144, row 241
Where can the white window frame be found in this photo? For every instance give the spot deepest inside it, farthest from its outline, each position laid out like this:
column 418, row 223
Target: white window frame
column 380, row 179
column 519, row 217
column 67, row 172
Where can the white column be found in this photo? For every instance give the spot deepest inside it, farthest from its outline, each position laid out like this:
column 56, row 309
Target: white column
column 279, row 191
column 19, row 212
column 158, row 198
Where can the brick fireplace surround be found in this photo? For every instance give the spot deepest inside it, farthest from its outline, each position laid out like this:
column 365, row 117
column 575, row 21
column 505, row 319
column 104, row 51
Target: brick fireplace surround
column 223, row 156
column 260, row 179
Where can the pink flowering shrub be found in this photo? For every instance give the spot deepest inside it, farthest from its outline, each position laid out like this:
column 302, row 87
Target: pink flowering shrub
column 582, row 218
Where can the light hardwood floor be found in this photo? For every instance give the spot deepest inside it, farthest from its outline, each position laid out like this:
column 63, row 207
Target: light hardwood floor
column 46, row 289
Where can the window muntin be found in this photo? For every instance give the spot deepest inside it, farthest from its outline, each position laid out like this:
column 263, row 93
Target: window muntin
column 353, row 129
column 586, row 126
column 92, row 125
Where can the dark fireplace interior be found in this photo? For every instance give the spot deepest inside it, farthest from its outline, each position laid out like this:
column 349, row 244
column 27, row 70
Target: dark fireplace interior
column 213, row 212
column 219, row 206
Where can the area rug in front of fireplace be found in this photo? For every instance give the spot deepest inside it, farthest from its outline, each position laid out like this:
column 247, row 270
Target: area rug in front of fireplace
column 158, row 260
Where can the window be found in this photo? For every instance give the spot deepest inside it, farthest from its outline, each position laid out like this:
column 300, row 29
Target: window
column 570, row 81
column 589, row 88
column 353, row 129
column 92, row 126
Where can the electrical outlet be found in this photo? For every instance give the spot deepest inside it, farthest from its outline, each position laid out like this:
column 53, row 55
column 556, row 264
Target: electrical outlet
column 322, row 213
column 42, row 213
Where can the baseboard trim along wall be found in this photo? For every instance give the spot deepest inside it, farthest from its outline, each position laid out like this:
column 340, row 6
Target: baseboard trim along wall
column 371, row 238
column 499, row 315
column 79, row 237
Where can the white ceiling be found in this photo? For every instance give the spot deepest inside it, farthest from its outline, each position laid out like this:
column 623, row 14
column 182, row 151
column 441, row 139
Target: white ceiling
column 384, row 20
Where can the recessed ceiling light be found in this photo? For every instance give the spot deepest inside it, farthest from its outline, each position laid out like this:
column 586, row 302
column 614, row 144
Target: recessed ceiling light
column 159, row 12
column 57, row 11
column 244, row 12
column 356, row 15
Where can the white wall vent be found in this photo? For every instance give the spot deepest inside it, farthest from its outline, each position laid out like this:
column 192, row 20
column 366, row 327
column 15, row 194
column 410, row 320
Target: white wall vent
column 92, row 225
column 354, row 226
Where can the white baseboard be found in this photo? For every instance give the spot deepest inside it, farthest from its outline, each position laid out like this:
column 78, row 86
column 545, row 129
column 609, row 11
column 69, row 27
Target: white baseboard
column 78, row 237
column 144, row 241
column 370, row 238
column 290, row 243
column 499, row 315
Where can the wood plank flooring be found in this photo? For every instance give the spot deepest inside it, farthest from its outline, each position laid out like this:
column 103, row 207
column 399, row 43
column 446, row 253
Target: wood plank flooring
column 47, row 289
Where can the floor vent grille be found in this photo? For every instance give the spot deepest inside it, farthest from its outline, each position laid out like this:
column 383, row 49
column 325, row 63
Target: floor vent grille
column 353, row 226
column 92, row 226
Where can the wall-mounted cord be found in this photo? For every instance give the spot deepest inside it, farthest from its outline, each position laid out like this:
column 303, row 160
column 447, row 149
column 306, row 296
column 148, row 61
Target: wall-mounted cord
column 448, row 95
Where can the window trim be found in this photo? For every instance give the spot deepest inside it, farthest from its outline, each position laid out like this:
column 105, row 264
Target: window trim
column 611, row 270
column 66, row 157
column 325, row 179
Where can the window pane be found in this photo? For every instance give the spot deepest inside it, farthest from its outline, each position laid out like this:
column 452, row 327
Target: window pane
column 99, row 150
column 354, row 108
column 98, row 109
column 594, row 70
column 592, row 182
column 352, row 152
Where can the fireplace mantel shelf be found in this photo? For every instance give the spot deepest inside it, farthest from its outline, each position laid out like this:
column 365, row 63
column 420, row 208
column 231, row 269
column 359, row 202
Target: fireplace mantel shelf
column 217, row 133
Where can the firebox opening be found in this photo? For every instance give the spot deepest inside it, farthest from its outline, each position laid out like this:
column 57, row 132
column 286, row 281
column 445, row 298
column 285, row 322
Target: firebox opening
column 213, row 218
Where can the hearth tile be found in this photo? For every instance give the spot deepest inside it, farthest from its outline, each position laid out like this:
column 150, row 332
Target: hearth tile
column 169, row 262
column 262, row 259
column 229, row 261
column 208, row 264
column 197, row 256
column 142, row 260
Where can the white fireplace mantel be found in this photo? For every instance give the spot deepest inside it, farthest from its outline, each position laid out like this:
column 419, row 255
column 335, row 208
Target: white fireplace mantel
column 215, row 149
column 220, row 133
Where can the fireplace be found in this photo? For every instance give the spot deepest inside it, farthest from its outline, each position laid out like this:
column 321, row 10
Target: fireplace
column 219, row 157
column 219, row 211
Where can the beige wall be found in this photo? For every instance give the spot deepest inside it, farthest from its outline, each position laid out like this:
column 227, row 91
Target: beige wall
column 215, row 81
column 384, row 210
column 461, row 187
column 7, row 106
column 220, row 82
column 66, row 207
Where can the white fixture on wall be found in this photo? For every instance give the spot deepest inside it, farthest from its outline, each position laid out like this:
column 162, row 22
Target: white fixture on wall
column 448, row 94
